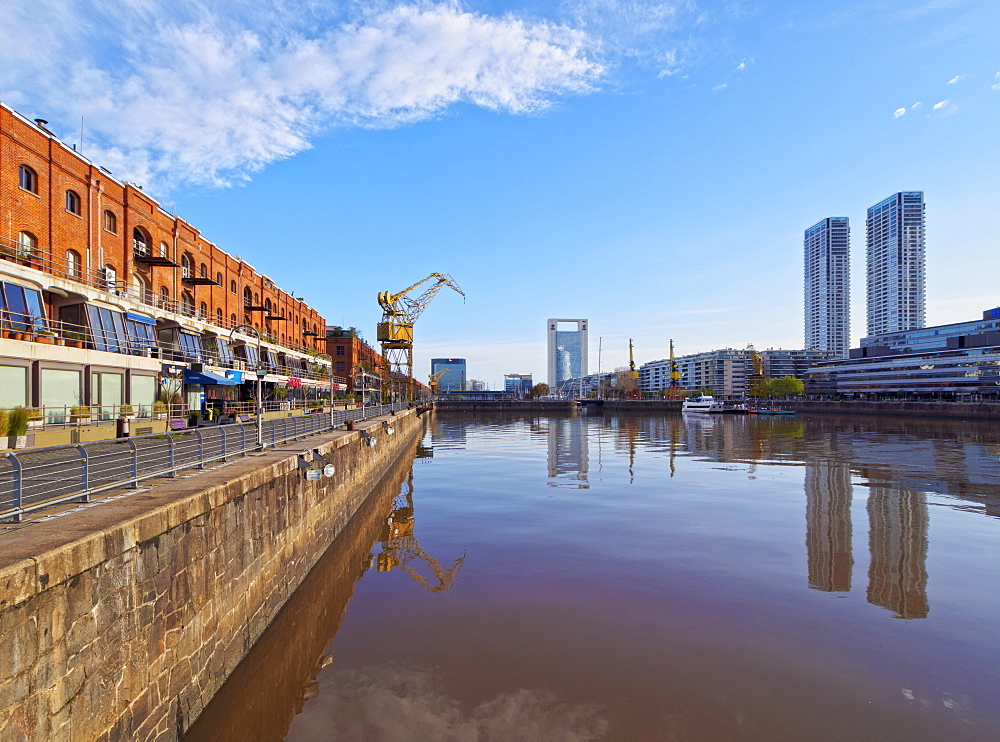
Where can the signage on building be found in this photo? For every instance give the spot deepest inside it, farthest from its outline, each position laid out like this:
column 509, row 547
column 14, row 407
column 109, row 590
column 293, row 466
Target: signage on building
column 238, row 376
column 295, row 381
column 172, row 370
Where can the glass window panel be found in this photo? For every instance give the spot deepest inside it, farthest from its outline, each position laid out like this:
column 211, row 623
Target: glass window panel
column 94, row 320
column 13, row 386
column 143, row 394
column 119, row 331
column 60, row 391
column 17, row 306
column 108, row 388
column 36, row 309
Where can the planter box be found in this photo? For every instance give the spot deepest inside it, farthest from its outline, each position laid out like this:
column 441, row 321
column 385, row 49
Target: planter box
column 17, row 441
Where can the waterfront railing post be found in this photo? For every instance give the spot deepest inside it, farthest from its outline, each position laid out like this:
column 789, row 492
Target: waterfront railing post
column 85, row 472
column 134, row 464
column 170, row 456
column 15, row 465
column 201, row 449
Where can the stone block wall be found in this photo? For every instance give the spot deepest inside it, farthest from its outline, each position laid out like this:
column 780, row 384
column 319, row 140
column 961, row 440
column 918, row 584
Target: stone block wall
column 121, row 621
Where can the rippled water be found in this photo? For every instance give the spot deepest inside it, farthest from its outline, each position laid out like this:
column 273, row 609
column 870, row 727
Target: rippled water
column 674, row 578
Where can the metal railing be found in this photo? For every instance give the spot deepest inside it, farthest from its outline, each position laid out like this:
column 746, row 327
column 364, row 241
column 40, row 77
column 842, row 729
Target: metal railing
column 41, row 477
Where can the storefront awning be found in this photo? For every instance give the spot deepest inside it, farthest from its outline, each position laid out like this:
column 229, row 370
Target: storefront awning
column 136, row 317
column 204, row 377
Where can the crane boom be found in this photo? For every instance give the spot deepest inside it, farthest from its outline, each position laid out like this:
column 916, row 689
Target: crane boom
column 395, row 332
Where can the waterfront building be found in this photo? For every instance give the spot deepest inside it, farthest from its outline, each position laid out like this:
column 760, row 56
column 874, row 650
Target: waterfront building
column 944, row 361
column 358, row 362
column 827, row 286
column 520, row 384
column 895, row 265
column 108, row 299
column 454, row 380
column 476, row 385
column 567, row 351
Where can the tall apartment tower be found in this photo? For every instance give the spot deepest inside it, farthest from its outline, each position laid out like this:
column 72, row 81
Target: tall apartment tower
column 567, row 351
column 827, row 247
column 895, row 232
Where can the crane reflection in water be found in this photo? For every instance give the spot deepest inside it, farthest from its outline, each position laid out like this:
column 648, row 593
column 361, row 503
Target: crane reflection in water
column 400, row 547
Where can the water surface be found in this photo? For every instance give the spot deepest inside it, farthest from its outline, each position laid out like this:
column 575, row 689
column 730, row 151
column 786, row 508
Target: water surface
column 686, row 577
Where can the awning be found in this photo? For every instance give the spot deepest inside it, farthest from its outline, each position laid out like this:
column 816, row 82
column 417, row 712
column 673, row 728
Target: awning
column 204, row 377
column 136, row 317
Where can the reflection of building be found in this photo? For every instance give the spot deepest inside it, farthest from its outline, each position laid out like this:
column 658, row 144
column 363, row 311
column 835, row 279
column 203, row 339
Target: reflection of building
column 568, row 454
column 454, row 378
column 567, row 351
column 828, row 286
column 828, row 525
column 897, row 539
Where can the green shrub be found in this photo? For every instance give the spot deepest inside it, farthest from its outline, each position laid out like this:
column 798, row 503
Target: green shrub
column 4, row 421
column 17, row 421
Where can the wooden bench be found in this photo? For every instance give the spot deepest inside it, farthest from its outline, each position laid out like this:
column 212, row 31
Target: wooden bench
column 177, row 425
column 243, row 418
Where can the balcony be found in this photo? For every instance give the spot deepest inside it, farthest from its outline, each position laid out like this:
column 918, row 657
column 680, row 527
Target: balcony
column 142, row 254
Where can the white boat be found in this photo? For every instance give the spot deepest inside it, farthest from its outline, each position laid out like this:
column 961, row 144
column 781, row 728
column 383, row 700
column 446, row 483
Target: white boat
column 704, row 403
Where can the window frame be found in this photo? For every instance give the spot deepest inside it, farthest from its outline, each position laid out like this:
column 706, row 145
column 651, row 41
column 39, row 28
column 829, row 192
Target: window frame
column 27, row 179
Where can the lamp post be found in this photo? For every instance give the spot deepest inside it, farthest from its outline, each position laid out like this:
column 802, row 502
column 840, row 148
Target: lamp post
column 328, row 357
column 260, row 403
column 364, row 388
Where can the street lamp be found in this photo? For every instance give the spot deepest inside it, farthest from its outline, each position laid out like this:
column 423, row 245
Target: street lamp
column 260, row 376
column 328, row 357
column 364, row 388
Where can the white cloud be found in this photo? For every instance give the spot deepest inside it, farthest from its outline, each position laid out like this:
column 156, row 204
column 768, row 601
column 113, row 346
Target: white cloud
column 916, row 105
column 955, row 79
column 898, row 112
column 744, row 63
column 996, row 84
column 720, row 86
column 192, row 93
column 941, row 104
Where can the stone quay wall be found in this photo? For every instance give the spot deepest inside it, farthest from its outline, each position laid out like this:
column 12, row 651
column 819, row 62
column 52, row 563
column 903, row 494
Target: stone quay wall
column 121, row 621
column 953, row 410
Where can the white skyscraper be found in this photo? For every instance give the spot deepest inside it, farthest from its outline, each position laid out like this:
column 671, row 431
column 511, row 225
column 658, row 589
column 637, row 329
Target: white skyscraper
column 896, row 299
column 827, row 246
column 567, row 351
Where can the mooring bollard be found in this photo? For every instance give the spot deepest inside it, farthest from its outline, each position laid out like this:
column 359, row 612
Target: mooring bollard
column 350, row 425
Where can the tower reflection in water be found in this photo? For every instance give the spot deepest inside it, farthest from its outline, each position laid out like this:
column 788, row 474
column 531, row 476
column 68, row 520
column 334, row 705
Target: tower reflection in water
column 568, row 457
column 828, row 526
column 897, row 573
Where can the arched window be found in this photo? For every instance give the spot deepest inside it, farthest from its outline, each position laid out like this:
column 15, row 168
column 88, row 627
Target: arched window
column 164, row 249
column 218, row 279
column 141, row 287
column 247, row 297
column 232, row 318
column 203, row 311
column 204, row 271
column 110, row 222
column 267, row 307
column 187, row 303
column 164, row 297
column 186, row 266
column 73, row 204
column 256, row 299
column 218, row 316
column 28, row 179
column 27, row 244
column 140, row 240
column 232, row 287
column 73, row 264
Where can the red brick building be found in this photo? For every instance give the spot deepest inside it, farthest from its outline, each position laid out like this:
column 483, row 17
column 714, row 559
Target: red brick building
column 90, row 259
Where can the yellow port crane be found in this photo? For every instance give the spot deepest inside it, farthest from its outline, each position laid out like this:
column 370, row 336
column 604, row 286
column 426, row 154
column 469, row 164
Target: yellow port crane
column 395, row 332
column 757, row 384
column 433, row 379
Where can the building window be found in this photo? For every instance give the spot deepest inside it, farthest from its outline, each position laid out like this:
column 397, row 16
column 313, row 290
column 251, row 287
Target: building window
column 72, row 264
column 27, row 244
column 140, row 240
column 163, row 249
column 232, row 287
column 203, row 311
column 218, row 279
column 28, row 179
column 247, row 297
column 73, row 204
column 141, row 288
column 256, row 299
column 164, row 297
column 218, row 316
column 232, row 318
column 187, row 303
column 186, row 266
column 341, row 366
column 204, row 271
column 341, row 350
column 110, row 222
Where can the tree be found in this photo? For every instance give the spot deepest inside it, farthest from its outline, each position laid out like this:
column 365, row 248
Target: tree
column 786, row 386
column 539, row 390
column 624, row 383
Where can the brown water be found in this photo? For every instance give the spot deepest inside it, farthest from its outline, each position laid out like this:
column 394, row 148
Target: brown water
column 673, row 578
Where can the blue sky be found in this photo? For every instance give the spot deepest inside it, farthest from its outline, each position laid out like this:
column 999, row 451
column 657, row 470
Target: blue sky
column 650, row 166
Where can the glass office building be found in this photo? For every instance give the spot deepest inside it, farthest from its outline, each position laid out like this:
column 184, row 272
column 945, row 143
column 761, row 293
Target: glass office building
column 567, row 350
column 454, row 380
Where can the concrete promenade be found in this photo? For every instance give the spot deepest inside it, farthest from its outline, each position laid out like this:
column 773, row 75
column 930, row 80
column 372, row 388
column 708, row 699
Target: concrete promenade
column 121, row 621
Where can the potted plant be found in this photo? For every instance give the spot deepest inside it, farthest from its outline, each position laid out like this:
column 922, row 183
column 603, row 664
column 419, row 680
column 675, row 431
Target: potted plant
column 4, row 422
column 126, row 410
column 80, row 414
column 17, row 427
column 73, row 339
column 159, row 410
column 46, row 337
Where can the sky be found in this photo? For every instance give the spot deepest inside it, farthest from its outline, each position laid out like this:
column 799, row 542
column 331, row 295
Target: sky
column 649, row 166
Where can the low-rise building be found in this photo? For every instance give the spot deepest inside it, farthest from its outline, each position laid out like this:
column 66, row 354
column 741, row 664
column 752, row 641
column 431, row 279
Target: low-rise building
column 943, row 362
